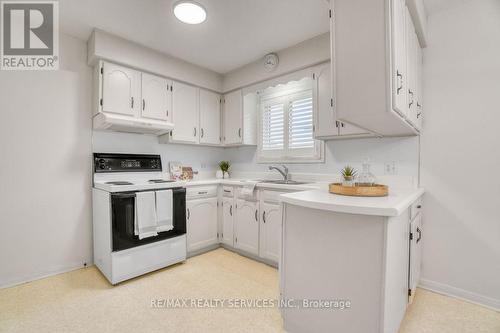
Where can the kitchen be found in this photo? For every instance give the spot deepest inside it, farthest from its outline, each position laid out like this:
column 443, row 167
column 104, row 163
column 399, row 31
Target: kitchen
column 289, row 95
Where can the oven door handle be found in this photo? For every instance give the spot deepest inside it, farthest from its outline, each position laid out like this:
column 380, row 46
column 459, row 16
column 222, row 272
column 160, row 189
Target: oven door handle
column 123, row 195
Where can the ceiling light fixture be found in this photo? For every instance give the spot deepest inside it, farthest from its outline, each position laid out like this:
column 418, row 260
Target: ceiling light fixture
column 190, row 12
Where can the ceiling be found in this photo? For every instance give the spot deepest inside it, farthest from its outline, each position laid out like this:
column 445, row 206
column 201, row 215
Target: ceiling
column 235, row 33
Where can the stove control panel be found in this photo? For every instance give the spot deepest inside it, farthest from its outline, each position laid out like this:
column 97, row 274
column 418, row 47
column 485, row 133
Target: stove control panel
column 126, row 163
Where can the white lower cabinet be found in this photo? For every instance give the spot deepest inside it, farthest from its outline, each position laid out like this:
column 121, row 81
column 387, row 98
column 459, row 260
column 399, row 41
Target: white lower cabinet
column 270, row 231
column 228, row 211
column 201, row 221
column 252, row 224
column 415, row 255
column 246, row 231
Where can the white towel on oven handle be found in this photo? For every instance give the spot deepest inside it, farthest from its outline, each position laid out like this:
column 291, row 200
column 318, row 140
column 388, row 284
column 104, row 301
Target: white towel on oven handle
column 145, row 215
column 164, row 210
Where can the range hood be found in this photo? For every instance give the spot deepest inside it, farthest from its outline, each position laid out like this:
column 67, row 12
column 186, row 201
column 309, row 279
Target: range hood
column 120, row 123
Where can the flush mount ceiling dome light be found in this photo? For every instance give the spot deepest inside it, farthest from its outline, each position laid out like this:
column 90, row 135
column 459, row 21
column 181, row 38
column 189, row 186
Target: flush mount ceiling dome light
column 190, row 12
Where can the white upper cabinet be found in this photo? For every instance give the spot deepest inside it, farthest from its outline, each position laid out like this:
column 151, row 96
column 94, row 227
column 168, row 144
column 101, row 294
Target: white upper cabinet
column 121, row 92
column 324, row 113
column 156, row 97
column 233, row 118
column 411, row 56
column 346, row 129
column 247, row 226
column 210, row 110
column 399, row 57
column 326, row 125
column 185, row 109
column 368, row 93
column 419, row 89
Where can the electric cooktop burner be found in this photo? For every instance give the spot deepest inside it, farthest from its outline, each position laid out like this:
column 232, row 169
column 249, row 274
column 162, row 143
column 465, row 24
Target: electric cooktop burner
column 160, row 181
column 119, row 183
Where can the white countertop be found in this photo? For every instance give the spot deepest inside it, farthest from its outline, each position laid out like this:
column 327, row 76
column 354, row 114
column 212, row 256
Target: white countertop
column 394, row 204
column 144, row 186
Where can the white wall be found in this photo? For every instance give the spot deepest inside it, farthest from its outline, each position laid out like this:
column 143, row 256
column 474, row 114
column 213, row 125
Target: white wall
column 460, row 152
column 308, row 53
column 338, row 153
column 103, row 45
column 45, row 150
column 203, row 159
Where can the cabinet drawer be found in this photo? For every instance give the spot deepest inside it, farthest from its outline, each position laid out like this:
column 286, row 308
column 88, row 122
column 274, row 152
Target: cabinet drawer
column 271, row 196
column 201, row 192
column 415, row 208
column 228, row 191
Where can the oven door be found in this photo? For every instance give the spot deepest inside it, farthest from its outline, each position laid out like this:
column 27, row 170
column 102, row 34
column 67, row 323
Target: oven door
column 123, row 220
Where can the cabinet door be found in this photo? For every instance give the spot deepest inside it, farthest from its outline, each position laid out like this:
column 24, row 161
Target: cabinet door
column 270, row 231
column 348, row 129
column 399, row 57
column 120, row 90
column 247, row 226
column 415, row 254
column 185, row 107
column 156, row 97
column 411, row 41
column 227, row 221
column 209, row 117
column 201, row 223
column 233, row 117
column 324, row 114
column 419, row 88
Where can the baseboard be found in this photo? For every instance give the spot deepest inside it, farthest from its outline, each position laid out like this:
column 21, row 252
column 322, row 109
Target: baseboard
column 13, row 283
column 203, row 250
column 447, row 290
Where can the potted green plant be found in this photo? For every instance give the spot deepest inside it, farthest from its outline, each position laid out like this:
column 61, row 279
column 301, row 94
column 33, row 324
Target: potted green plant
column 224, row 168
column 348, row 175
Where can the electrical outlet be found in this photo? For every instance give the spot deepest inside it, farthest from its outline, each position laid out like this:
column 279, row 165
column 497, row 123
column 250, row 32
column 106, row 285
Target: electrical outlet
column 390, row 168
column 203, row 166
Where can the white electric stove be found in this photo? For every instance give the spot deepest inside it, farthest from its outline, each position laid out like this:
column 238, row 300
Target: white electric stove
column 119, row 253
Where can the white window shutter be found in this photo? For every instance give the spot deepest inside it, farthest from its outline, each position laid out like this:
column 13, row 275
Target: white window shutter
column 300, row 128
column 273, row 127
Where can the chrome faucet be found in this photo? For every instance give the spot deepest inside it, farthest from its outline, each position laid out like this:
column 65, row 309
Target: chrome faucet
column 283, row 172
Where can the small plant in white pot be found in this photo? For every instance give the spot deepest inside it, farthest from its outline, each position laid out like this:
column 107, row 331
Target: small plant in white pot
column 224, row 169
column 348, row 175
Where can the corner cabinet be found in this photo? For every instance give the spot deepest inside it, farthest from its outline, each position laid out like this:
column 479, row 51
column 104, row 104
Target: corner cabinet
column 376, row 83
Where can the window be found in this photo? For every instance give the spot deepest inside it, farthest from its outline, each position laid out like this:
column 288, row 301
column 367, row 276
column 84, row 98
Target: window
column 286, row 126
